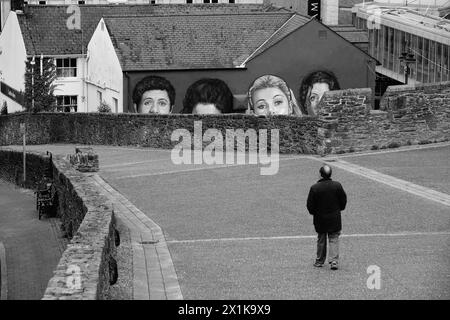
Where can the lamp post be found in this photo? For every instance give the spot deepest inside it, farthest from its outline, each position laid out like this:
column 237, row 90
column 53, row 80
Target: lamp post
column 406, row 59
column 32, row 83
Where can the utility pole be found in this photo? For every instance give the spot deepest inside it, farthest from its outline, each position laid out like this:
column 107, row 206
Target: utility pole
column 407, row 58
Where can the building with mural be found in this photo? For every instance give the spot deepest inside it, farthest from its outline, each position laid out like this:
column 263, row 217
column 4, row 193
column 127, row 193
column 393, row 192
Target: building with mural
column 103, row 61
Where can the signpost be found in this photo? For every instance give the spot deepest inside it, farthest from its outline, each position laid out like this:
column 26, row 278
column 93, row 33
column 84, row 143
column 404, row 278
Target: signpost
column 23, row 131
column 314, row 9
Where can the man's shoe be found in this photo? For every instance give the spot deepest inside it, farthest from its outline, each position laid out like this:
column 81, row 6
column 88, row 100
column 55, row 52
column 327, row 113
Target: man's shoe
column 334, row 265
column 318, row 264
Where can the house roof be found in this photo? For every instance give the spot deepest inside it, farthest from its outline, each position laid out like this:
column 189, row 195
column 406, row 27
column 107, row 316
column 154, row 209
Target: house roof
column 205, row 41
column 45, row 31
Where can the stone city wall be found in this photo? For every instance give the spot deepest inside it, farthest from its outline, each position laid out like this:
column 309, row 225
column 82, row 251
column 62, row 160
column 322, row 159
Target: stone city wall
column 345, row 123
column 297, row 135
column 408, row 115
column 83, row 271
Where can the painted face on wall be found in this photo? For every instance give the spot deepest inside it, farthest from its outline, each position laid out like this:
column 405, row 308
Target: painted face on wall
column 205, row 108
column 315, row 95
column 270, row 101
column 155, row 101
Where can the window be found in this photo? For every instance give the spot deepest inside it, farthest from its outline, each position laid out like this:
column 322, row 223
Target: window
column 188, row 1
column 66, row 67
column 206, row 1
column 42, row 2
column 81, row 2
column 99, row 97
column 231, row 1
column 66, row 103
column 153, row 2
column 116, row 105
column 214, row 1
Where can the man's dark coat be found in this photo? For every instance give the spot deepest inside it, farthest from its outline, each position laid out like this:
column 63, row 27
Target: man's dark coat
column 325, row 202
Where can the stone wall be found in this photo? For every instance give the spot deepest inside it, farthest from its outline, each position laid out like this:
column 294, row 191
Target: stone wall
column 87, row 218
column 297, row 135
column 408, row 115
column 345, row 123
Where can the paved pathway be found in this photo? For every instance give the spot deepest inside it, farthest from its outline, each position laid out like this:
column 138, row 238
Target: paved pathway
column 33, row 247
column 154, row 276
column 259, row 246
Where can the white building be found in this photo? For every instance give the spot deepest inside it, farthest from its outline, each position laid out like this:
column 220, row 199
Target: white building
column 394, row 30
column 86, row 76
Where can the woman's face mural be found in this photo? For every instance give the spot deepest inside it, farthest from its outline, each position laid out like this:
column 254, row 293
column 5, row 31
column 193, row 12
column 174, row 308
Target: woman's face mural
column 270, row 101
column 315, row 94
column 205, row 108
column 155, row 101
column 208, row 96
column 312, row 89
column 270, row 95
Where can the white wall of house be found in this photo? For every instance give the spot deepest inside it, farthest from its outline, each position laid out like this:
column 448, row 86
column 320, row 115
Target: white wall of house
column 5, row 8
column 12, row 60
column 104, row 73
column 73, row 86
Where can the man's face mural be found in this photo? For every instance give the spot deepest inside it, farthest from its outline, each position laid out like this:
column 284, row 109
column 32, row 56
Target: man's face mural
column 154, row 94
column 155, row 101
column 270, row 101
column 315, row 94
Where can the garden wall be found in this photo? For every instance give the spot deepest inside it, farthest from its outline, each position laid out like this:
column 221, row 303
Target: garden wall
column 87, row 219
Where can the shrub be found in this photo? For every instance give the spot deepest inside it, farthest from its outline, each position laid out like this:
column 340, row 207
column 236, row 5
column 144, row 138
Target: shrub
column 104, row 107
column 374, row 147
column 4, row 110
column 393, row 145
column 424, row 142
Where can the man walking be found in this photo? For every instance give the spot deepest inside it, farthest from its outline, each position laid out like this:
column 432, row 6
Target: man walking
column 325, row 202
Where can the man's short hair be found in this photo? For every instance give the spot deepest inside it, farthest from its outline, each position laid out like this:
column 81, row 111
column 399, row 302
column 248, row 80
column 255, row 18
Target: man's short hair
column 153, row 83
column 206, row 90
column 325, row 171
column 322, row 76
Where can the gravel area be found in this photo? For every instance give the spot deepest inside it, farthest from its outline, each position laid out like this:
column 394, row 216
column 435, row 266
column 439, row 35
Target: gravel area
column 123, row 289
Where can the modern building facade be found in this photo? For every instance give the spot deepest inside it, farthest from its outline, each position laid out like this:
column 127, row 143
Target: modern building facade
column 394, row 30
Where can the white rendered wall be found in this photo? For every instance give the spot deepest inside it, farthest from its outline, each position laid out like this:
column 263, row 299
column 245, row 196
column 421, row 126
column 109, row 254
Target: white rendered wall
column 104, row 72
column 330, row 12
column 12, row 60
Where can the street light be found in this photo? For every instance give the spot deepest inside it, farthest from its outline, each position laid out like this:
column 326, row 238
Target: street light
column 406, row 59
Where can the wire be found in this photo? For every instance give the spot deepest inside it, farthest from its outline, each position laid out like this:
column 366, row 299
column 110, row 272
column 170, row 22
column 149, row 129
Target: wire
column 433, row 62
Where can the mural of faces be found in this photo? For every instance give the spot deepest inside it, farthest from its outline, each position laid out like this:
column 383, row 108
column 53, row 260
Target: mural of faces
column 313, row 88
column 208, row 96
column 154, row 94
column 270, row 95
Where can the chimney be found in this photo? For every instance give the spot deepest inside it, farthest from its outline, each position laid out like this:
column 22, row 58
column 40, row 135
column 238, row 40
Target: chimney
column 330, row 12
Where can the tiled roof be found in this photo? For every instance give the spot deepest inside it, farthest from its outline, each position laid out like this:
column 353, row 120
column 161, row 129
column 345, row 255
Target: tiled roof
column 45, row 27
column 192, row 41
column 293, row 23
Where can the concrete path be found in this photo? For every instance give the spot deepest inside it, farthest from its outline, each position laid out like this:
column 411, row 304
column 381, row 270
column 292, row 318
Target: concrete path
column 33, row 247
column 403, row 185
column 233, row 234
